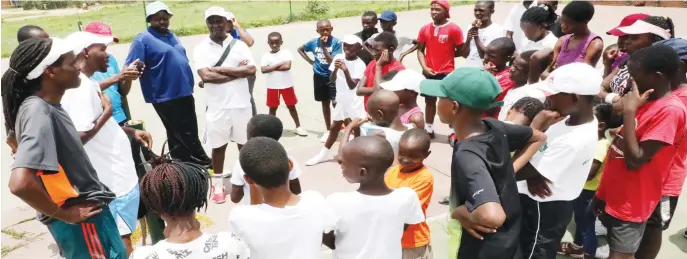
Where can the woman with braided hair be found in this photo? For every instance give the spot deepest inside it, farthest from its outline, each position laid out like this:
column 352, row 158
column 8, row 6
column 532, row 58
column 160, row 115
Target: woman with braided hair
column 535, row 23
column 176, row 191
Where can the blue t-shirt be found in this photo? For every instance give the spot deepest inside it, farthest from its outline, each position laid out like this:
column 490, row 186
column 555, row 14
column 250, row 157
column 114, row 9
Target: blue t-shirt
column 167, row 75
column 112, row 91
column 321, row 66
column 235, row 33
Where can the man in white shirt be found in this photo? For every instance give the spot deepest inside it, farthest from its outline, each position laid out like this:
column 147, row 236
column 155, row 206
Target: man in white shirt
column 481, row 33
column 556, row 174
column 228, row 96
column 105, row 142
column 512, row 24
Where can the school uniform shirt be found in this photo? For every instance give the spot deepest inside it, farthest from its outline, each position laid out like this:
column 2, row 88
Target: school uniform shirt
column 515, row 94
column 167, row 75
column 565, row 159
column 482, row 172
column 600, row 153
column 356, row 68
column 277, row 79
column 422, row 182
column 230, row 95
column 503, row 77
column 371, row 72
column 549, row 41
column 237, row 175
column 486, row 35
column 110, row 149
column 321, row 66
column 371, row 227
column 512, row 23
column 440, row 45
column 113, row 91
column 207, row 246
column 292, row 232
column 662, row 120
column 676, row 177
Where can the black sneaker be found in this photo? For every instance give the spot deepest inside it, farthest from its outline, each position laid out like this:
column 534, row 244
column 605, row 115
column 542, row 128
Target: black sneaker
column 685, row 234
column 444, row 201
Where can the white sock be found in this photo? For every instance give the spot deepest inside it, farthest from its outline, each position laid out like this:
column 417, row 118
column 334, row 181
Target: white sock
column 218, row 182
column 452, row 131
column 429, row 127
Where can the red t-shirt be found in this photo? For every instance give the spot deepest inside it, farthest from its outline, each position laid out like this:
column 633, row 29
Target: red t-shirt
column 506, row 84
column 440, row 46
column 371, row 71
column 632, row 195
column 676, row 176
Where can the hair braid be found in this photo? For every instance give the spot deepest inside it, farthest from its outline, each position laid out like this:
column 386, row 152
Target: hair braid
column 663, row 22
column 540, row 15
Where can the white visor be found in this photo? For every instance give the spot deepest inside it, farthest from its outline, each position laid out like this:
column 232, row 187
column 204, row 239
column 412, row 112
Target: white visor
column 57, row 49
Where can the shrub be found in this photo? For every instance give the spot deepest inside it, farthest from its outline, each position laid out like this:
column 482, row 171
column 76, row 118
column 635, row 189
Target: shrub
column 315, row 8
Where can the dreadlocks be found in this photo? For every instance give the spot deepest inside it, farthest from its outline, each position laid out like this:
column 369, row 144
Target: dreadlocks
column 15, row 87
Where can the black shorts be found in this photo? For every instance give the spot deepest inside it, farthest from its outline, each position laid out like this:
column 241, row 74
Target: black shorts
column 324, row 88
column 663, row 213
column 433, row 77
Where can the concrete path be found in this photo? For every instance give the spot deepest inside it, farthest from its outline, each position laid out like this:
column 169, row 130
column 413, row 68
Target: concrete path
column 31, row 238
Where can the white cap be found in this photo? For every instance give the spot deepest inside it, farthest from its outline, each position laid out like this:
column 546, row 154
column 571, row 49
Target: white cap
column 216, row 11
column 229, row 15
column 155, row 7
column 58, row 48
column 405, row 79
column 641, row 27
column 574, row 78
column 351, row 39
column 80, row 40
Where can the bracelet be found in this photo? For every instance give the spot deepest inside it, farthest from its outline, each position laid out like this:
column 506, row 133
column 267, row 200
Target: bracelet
column 54, row 213
column 609, row 98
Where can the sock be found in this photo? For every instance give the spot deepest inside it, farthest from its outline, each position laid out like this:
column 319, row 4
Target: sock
column 429, row 127
column 452, row 131
column 218, row 182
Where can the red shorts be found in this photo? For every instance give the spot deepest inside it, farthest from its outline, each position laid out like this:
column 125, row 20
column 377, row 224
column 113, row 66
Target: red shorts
column 288, row 94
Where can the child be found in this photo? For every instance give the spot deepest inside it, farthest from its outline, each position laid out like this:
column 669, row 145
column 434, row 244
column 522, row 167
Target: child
column 261, row 125
column 499, row 54
column 412, row 173
column 384, row 120
column 519, row 72
column 482, row 31
column 585, row 243
column 387, row 21
column 524, row 110
column 323, row 48
column 369, row 22
column 383, row 46
column 512, row 24
column 406, row 84
column 483, row 189
column 371, row 219
column 347, row 69
column 277, row 65
column 535, row 24
column 286, row 225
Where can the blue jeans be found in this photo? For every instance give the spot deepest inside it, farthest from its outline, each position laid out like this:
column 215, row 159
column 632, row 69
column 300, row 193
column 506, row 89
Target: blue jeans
column 585, row 235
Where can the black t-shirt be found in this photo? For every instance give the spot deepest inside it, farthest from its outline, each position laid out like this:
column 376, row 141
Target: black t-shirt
column 482, row 172
column 363, row 54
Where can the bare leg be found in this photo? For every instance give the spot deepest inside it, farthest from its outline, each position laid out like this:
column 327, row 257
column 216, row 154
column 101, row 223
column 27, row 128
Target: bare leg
column 327, row 113
column 273, row 111
column 294, row 115
column 430, row 109
column 651, row 243
column 218, row 159
column 333, row 134
column 127, row 243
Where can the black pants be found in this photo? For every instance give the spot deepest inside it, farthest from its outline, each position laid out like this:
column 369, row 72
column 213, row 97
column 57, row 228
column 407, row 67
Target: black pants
column 543, row 226
column 179, row 118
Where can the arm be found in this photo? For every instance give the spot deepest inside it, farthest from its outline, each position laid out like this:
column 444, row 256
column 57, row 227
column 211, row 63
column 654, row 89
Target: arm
column 552, row 65
column 327, row 56
column 459, row 49
column 274, row 67
column 637, row 153
column 465, row 50
column 350, row 81
column 212, row 75
column 245, row 36
column 24, row 184
column 418, row 120
column 109, row 82
column 237, row 72
column 489, row 215
column 421, row 58
column 378, row 77
column 301, row 51
column 525, row 154
column 410, row 50
column 98, row 124
column 236, row 194
column 295, row 186
column 606, row 83
column 285, row 66
column 361, row 90
column 594, row 51
column 537, row 61
column 596, row 165
column 333, row 75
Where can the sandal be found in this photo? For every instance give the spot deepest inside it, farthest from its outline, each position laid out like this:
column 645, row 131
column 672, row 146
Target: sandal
column 567, row 248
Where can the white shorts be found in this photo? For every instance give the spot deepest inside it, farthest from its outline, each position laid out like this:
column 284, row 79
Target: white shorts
column 224, row 125
column 349, row 109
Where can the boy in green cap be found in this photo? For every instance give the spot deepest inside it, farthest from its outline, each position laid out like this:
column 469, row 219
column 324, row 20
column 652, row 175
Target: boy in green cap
column 484, row 195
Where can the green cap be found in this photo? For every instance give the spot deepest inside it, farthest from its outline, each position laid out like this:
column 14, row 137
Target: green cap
column 473, row 87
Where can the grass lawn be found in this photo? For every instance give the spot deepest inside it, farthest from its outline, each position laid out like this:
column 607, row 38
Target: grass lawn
column 127, row 20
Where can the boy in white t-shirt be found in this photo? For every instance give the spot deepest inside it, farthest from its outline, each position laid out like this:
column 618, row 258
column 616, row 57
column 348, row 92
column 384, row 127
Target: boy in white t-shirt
column 371, row 220
column 276, row 65
column 261, row 125
column 482, row 31
column 286, row 226
column 347, row 69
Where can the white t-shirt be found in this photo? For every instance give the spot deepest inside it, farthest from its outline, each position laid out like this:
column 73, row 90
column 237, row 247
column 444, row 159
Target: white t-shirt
column 230, row 95
column 391, row 135
column 515, row 94
column 109, row 150
column 486, row 35
column 404, row 43
column 549, row 41
column 277, row 79
column 356, row 68
column 512, row 23
column 293, row 232
column 207, row 246
column 565, row 159
column 237, row 177
column 371, row 227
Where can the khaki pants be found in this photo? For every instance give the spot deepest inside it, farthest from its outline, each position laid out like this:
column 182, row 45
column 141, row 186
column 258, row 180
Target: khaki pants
column 423, row 252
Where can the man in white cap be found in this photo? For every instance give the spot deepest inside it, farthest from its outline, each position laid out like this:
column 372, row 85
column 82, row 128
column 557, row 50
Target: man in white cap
column 106, row 143
column 167, row 83
column 346, row 71
column 224, row 63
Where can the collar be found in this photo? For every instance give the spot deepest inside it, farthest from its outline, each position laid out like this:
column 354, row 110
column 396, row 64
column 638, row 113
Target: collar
column 224, row 43
column 155, row 33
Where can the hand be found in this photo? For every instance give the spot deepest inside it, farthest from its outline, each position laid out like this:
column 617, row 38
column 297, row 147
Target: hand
column 476, row 24
column 544, row 119
column 539, row 186
column 341, row 65
column 633, row 99
column 488, row 66
column 596, row 206
column 131, row 72
column 243, row 63
column 472, row 228
column 323, row 40
column 428, row 72
column 473, row 32
column 105, row 102
column 358, row 122
column 610, row 56
column 79, row 212
column 384, row 58
column 144, row 138
column 236, row 23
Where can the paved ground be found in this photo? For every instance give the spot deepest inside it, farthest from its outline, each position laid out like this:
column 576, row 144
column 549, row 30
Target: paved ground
column 29, row 238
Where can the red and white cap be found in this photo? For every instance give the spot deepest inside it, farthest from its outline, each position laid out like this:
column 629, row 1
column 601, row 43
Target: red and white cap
column 100, row 29
column 642, row 27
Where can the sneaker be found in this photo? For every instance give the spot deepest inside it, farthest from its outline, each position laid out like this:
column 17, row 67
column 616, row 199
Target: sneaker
column 324, row 137
column 218, row 196
column 300, row 131
column 431, row 133
column 321, row 157
column 452, row 139
column 603, row 252
column 444, row 201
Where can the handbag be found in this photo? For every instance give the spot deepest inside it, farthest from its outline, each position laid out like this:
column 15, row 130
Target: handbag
column 201, row 84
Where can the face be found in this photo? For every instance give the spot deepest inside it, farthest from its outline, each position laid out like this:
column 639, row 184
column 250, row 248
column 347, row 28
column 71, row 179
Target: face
column 483, row 11
column 638, row 41
column 569, row 26
column 369, row 23
column 446, row 109
column 217, row 26
column 519, row 70
column 351, row 50
column 532, row 31
column 495, row 56
column 411, row 154
column 438, row 13
column 645, row 81
column 377, row 49
column 517, row 117
column 387, row 25
column 66, row 74
column 160, row 21
column 230, row 26
column 621, row 43
column 324, row 29
column 350, row 168
column 563, row 103
column 275, row 43
column 98, row 57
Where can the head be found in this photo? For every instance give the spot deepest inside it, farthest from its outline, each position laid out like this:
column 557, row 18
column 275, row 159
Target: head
column 552, row 4
column 645, row 32
column 369, row 21
column 31, row 31
column 324, row 28
column 610, row 48
column 413, row 149
column 680, row 46
column 175, row 190
column 575, row 16
column 275, row 41
column 405, row 83
column 523, row 111
column 500, row 52
column 654, row 67
column 158, row 15
column 520, row 68
column 365, row 159
column 608, row 119
column 92, row 50
column 388, row 20
column 46, row 65
column 383, row 106
column 264, row 125
column 571, row 89
column 439, row 10
column 626, row 21
column 536, row 20
column 384, row 41
column 265, row 163
column 351, row 46
column 216, row 20
column 95, row 56
column 483, row 10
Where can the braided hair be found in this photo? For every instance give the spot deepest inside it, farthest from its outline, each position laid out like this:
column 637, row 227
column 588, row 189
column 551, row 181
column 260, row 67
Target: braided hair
column 15, row 87
column 540, row 15
column 663, row 22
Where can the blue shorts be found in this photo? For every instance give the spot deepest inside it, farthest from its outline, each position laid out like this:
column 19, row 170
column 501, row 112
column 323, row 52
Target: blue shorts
column 124, row 209
column 97, row 237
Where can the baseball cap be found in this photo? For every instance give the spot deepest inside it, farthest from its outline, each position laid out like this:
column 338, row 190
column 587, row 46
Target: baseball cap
column 155, row 7
column 229, row 15
column 215, row 11
column 470, row 86
column 100, row 29
column 679, row 45
column 388, row 16
column 351, row 39
column 406, row 79
column 641, row 27
column 627, row 21
column 81, row 39
column 445, row 4
column 574, row 78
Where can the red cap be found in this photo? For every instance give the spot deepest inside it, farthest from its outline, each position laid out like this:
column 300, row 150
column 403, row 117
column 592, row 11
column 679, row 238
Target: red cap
column 445, row 4
column 100, row 29
column 627, row 21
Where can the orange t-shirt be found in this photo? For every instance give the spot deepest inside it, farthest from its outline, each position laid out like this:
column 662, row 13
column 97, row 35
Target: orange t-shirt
column 422, row 182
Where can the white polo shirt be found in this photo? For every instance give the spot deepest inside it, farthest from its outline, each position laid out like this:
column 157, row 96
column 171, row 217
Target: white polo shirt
column 230, row 95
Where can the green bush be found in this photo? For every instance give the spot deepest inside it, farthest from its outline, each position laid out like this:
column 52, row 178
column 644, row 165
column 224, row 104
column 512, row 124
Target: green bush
column 49, row 5
column 315, row 8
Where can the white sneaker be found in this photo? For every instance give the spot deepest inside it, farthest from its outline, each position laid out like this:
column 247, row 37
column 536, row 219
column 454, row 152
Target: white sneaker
column 324, row 137
column 603, row 251
column 321, row 157
column 599, row 228
column 300, row 131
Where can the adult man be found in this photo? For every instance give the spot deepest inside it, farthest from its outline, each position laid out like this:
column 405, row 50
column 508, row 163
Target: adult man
column 234, row 28
column 369, row 22
column 228, row 96
column 167, row 83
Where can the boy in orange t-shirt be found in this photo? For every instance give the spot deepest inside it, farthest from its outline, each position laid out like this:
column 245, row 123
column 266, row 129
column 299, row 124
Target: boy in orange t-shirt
column 413, row 149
